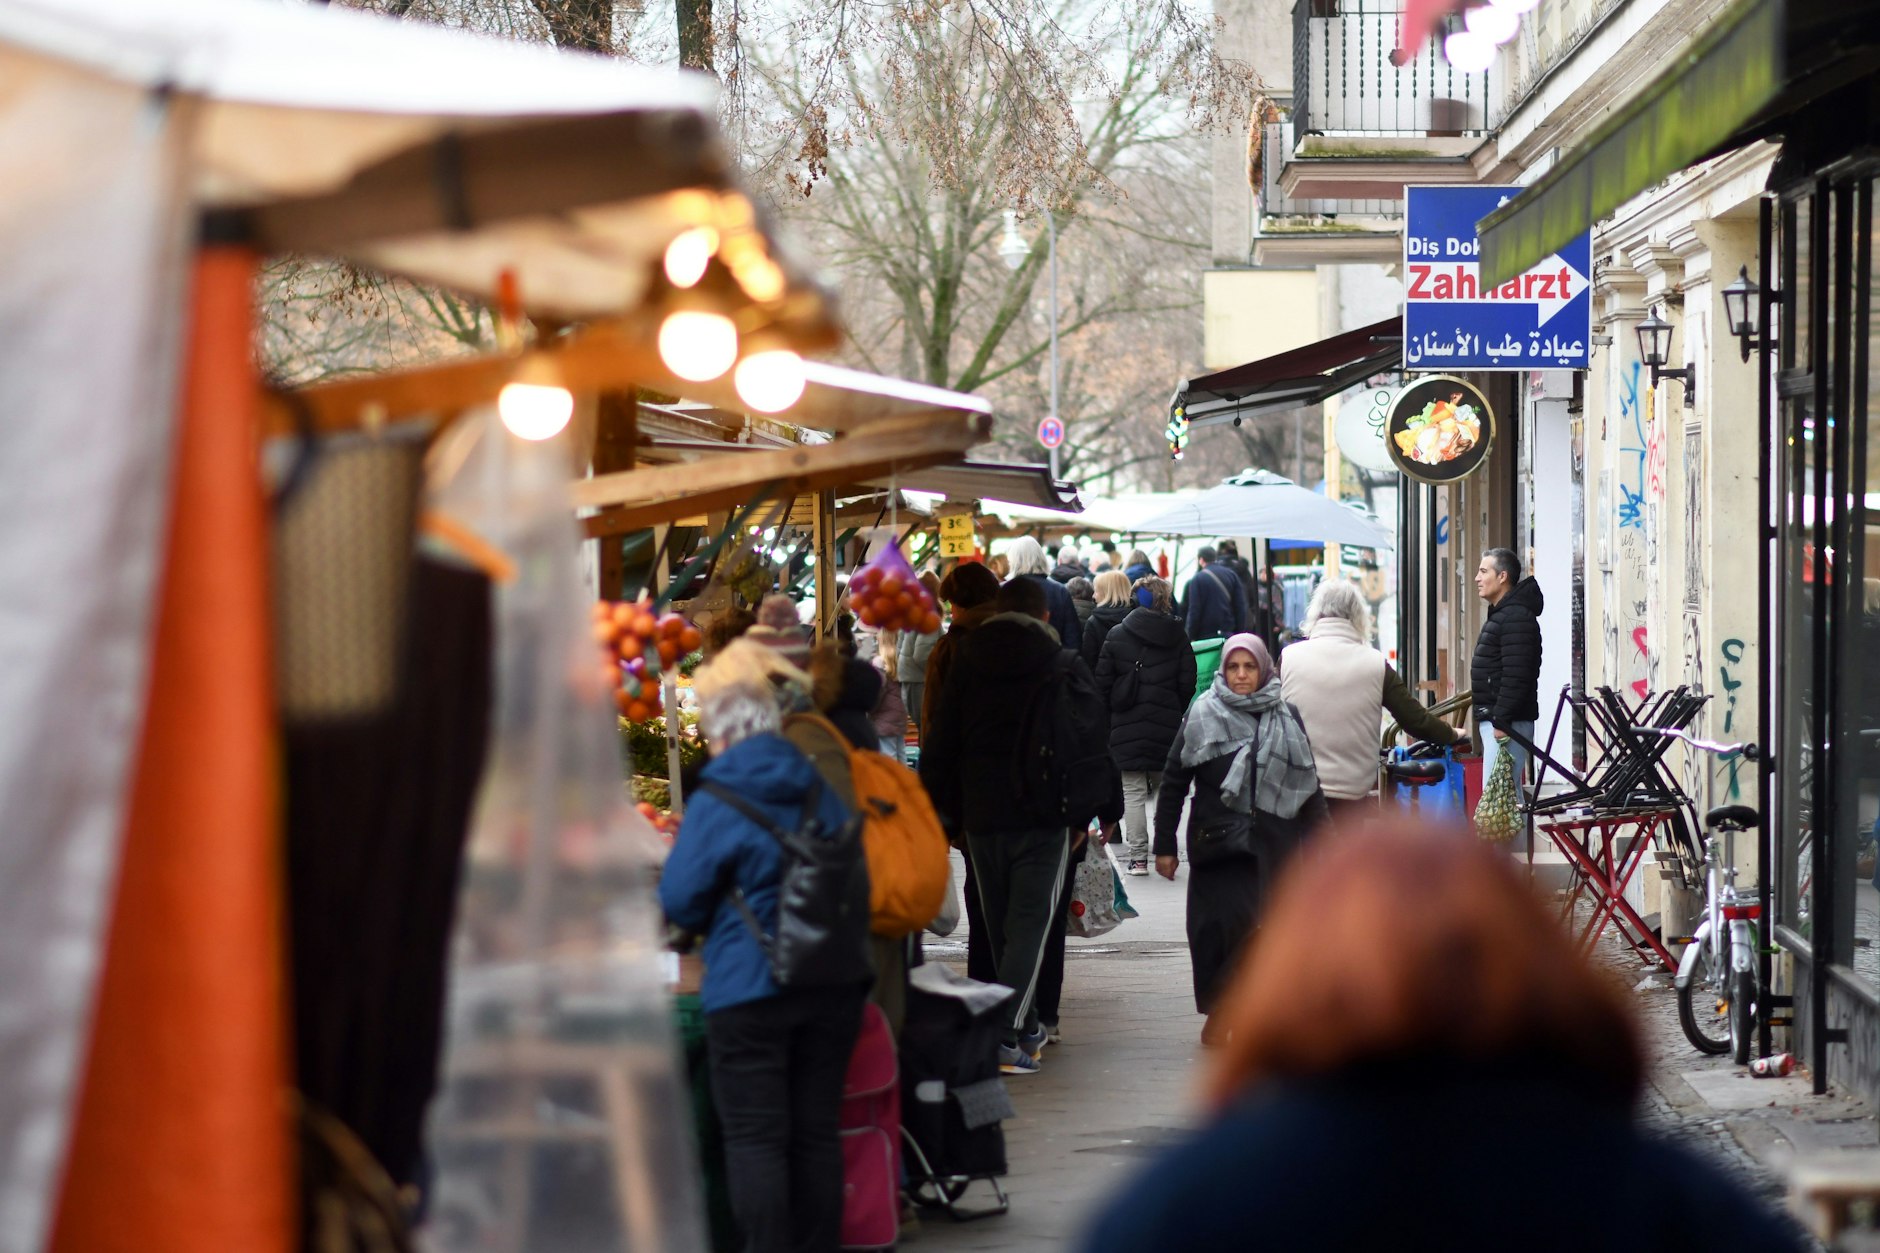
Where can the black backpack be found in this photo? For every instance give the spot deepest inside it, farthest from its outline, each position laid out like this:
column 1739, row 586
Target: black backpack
column 822, row 900
column 1062, row 770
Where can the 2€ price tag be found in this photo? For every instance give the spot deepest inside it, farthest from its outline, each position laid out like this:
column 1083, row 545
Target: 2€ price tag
column 956, row 545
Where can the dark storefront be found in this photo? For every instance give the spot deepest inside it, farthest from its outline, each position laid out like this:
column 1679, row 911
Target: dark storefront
column 1824, row 582
column 1802, row 73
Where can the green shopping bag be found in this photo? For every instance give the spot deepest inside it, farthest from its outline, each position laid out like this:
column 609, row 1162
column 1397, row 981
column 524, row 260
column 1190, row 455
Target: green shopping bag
column 1207, row 661
column 1498, row 813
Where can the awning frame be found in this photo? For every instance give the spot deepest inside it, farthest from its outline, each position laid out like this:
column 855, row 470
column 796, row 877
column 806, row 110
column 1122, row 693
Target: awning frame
column 1297, row 377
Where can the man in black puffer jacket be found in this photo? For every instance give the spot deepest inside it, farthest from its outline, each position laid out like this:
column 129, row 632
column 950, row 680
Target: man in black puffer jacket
column 968, row 763
column 1506, row 670
column 1146, row 674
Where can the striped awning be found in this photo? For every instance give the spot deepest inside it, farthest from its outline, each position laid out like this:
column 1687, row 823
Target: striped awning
column 1726, row 77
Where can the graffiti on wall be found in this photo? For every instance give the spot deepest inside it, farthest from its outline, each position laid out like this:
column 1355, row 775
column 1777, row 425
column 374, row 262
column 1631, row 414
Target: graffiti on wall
column 1691, row 774
column 1632, row 450
column 1730, row 678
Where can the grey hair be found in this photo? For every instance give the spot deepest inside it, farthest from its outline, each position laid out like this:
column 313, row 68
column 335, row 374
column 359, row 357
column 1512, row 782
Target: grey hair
column 1506, row 562
column 736, row 712
column 1341, row 599
column 1027, row 557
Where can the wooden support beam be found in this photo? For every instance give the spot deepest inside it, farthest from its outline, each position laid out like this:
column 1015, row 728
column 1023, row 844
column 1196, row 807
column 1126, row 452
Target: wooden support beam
column 615, row 434
column 655, row 494
column 601, row 356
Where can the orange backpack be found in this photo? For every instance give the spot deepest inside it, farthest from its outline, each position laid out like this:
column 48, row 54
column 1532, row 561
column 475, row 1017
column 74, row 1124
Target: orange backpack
column 901, row 836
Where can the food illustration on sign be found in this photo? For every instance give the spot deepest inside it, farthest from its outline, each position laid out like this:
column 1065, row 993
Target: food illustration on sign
column 1443, row 431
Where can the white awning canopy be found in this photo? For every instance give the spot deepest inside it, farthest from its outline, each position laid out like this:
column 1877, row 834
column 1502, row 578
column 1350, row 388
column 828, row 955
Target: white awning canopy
column 440, row 155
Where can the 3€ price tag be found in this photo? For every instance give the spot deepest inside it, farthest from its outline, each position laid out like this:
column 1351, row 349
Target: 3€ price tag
column 954, row 525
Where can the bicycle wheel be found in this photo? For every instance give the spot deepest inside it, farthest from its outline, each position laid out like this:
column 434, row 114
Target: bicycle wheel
column 1704, row 1004
column 1742, row 1015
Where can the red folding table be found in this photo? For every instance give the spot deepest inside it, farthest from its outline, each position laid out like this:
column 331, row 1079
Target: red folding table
column 1602, row 865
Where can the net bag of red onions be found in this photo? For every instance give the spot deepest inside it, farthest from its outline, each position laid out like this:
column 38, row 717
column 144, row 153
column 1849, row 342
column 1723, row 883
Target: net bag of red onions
column 886, row 595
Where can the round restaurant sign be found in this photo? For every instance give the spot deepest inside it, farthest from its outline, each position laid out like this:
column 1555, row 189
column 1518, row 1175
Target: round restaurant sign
column 1440, row 429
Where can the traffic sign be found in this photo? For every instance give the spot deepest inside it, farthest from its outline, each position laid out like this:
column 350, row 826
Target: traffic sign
column 1539, row 320
column 1051, row 432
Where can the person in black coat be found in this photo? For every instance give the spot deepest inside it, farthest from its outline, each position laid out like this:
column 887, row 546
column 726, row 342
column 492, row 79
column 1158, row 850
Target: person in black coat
column 1505, row 673
column 1114, row 603
column 1243, row 754
column 1216, row 603
column 1005, row 666
column 1413, row 1023
column 1146, row 673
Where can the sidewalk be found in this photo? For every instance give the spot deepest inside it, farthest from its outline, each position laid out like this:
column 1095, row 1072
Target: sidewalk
column 1753, row 1127
column 1115, row 1090
column 1121, row 1085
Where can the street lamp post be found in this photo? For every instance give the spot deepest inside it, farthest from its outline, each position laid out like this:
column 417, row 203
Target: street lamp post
column 1014, row 250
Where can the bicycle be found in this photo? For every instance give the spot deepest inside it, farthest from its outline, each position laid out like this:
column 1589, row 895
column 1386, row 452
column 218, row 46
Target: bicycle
column 1719, row 961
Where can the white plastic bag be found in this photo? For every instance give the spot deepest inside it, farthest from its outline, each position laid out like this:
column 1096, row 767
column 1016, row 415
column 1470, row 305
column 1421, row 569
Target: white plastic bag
column 1093, row 896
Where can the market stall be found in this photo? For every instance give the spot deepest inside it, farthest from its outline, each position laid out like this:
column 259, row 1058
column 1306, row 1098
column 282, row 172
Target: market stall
column 213, row 674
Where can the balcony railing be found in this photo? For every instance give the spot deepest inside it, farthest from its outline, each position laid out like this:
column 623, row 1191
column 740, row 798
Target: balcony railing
column 1275, row 203
column 1344, row 82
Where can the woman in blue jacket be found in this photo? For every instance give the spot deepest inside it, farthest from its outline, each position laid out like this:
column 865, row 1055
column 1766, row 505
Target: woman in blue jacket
column 778, row 1058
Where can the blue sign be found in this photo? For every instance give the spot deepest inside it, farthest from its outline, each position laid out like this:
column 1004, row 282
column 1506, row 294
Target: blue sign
column 1540, row 320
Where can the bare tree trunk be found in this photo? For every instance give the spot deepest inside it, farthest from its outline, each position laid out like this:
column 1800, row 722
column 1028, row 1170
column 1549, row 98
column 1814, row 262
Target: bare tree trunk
column 584, row 24
column 695, row 33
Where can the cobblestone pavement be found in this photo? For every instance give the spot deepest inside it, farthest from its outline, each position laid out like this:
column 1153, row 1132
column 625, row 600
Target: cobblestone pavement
column 1752, row 1128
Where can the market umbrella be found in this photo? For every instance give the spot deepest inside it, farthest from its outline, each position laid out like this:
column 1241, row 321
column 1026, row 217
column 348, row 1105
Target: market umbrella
column 1262, row 504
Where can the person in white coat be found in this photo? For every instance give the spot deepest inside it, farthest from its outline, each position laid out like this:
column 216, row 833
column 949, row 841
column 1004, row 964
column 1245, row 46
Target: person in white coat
column 1342, row 688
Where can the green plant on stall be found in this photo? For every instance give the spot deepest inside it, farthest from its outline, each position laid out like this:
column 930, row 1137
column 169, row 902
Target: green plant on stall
column 644, row 744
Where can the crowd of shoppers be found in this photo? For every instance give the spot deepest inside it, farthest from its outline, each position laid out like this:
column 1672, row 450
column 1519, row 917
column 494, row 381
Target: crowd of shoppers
column 1248, row 763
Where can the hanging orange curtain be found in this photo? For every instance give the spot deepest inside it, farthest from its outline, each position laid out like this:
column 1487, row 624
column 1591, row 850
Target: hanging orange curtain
column 182, row 1138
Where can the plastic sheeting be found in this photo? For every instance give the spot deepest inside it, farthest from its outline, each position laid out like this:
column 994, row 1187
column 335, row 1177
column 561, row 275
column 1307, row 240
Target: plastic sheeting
column 91, row 247
column 562, row 1123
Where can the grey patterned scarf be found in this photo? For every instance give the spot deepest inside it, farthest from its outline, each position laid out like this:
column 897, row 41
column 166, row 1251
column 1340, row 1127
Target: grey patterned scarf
column 1282, row 778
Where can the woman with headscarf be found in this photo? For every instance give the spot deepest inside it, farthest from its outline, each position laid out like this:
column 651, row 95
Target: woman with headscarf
column 1242, row 752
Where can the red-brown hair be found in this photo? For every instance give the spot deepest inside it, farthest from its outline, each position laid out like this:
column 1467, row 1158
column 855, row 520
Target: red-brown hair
column 1418, row 943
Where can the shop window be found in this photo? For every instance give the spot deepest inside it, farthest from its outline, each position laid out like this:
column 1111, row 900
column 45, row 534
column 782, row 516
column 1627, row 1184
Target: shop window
column 1795, row 816
column 1857, row 735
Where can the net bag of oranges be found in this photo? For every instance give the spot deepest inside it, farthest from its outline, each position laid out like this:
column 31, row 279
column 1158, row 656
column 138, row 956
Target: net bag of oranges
column 638, row 645
column 887, row 596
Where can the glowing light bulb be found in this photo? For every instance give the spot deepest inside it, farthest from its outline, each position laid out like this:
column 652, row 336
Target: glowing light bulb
column 534, row 411
column 698, row 346
column 1491, row 23
column 771, row 382
column 689, row 253
column 1469, row 52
